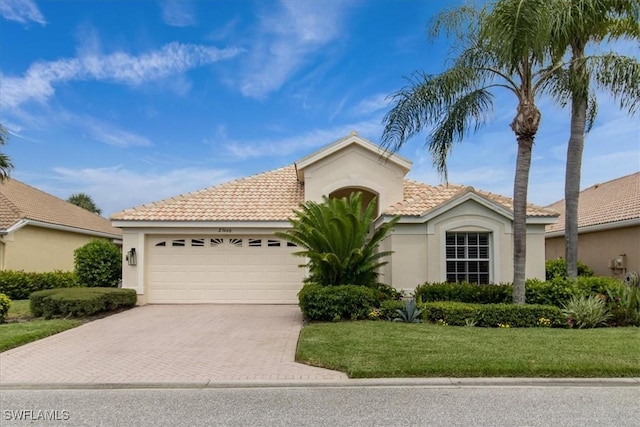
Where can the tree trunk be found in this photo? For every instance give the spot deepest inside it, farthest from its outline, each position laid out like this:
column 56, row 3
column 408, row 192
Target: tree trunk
column 572, row 184
column 579, row 97
column 525, row 126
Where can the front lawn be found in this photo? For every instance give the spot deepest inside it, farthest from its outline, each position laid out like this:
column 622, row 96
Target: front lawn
column 22, row 328
column 16, row 334
column 370, row 349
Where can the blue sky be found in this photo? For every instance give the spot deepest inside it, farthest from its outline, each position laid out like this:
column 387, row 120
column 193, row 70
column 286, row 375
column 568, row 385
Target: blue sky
column 135, row 101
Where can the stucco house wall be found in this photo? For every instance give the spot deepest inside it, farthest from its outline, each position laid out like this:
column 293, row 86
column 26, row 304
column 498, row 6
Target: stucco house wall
column 598, row 248
column 40, row 249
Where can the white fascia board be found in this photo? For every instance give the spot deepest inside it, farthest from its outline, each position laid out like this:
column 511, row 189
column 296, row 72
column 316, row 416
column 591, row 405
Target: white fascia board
column 200, row 224
column 24, row 222
column 597, row 227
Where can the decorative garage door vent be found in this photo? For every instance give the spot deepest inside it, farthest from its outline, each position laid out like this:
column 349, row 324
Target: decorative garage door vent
column 225, row 242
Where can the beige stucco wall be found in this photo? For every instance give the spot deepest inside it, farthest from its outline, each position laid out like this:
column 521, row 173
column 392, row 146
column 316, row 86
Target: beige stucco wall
column 356, row 167
column 595, row 249
column 419, row 248
column 41, row 249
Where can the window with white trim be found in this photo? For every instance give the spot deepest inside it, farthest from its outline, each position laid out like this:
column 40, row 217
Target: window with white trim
column 468, row 258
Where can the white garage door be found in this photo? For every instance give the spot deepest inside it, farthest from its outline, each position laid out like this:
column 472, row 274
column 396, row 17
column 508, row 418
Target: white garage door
column 222, row 269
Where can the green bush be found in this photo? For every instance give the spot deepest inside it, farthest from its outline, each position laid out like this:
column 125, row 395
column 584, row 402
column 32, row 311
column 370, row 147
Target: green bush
column 5, row 304
column 388, row 308
column 19, row 284
column 79, row 302
column 558, row 268
column 99, row 264
column 586, row 311
column 623, row 303
column 492, row 315
column 464, row 292
column 336, row 303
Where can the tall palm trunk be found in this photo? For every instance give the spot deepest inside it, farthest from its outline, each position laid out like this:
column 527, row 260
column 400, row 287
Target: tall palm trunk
column 575, row 147
column 525, row 125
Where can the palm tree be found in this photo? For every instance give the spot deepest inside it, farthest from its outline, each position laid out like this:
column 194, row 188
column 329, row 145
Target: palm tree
column 575, row 24
column 336, row 241
column 5, row 161
column 502, row 48
column 85, row 202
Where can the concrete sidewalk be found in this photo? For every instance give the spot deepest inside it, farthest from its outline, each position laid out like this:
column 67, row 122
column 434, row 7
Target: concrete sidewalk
column 169, row 344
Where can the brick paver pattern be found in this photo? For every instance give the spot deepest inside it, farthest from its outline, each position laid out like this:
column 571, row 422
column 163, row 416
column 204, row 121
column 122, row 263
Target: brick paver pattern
column 169, row 344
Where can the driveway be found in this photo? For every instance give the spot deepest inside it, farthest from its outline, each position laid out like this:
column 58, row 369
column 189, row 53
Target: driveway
column 169, row 344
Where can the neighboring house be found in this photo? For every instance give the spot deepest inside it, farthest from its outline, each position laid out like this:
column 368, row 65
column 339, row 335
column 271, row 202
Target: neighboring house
column 218, row 244
column 608, row 227
column 39, row 232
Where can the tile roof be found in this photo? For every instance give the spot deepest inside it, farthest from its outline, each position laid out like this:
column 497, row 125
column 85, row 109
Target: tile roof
column 19, row 201
column 271, row 196
column 420, row 198
column 609, row 202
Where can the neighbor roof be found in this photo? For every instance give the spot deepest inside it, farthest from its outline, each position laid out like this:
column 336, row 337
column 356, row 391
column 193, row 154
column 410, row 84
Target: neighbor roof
column 271, row 196
column 21, row 203
column 607, row 203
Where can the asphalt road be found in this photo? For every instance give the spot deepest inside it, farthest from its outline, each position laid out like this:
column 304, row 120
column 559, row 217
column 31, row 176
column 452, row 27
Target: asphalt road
column 327, row 406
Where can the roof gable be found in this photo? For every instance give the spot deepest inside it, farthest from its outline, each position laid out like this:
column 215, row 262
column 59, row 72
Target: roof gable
column 351, row 140
column 611, row 202
column 21, row 204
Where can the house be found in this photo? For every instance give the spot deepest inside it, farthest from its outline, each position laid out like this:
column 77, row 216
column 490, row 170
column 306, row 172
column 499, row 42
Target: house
column 608, row 227
column 218, row 244
column 39, row 232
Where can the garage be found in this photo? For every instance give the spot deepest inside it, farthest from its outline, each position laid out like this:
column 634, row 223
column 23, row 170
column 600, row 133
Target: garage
column 222, row 269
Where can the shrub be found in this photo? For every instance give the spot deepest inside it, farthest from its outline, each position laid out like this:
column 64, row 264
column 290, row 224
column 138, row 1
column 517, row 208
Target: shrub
column 624, row 305
column 19, row 284
column 335, row 303
column 558, row 268
column 99, row 263
column 491, row 315
column 555, row 292
column 336, row 240
column 410, row 313
column 586, row 311
column 5, row 304
column 464, row 292
column 79, row 302
column 388, row 308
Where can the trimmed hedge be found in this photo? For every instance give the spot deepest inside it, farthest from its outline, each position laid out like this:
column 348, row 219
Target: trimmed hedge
column 99, row 264
column 80, row 302
column 464, row 292
column 5, row 304
column 20, row 284
column 556, row 292
column 492, row 315
column 336, row 303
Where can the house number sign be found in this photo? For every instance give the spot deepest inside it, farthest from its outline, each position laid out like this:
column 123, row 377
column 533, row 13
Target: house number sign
column 224, row 230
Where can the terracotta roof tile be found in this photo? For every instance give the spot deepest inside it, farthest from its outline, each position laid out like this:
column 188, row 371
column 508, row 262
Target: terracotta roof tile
column 420, row 198
column 271, row 196
column 19, row 201
column 609, row 202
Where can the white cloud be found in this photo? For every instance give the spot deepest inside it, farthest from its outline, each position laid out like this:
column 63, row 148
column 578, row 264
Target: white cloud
column 21, row 11
column 285, row 42
column 112, row 135
column 301, row 143
column 120, row 67
column 371, row 104
column 178, row 13
column 117, row 188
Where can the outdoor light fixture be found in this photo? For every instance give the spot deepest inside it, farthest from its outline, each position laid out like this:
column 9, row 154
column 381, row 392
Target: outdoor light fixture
column 131, row 257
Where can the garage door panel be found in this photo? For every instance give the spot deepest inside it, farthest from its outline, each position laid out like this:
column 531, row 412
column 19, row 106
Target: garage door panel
column 234, row 269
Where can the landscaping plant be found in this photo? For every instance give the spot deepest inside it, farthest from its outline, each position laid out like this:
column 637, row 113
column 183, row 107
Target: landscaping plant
column 5, row 304
column 410, row 313
column 586, row 311
column 99, row 264
column 337, row 242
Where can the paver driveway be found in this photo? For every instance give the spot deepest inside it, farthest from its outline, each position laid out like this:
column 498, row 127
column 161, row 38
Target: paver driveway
column 169, row 344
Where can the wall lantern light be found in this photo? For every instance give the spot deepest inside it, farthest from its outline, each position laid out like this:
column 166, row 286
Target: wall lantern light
column 131, row 257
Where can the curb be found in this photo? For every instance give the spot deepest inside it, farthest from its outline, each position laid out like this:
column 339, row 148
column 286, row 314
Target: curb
column 374, row 382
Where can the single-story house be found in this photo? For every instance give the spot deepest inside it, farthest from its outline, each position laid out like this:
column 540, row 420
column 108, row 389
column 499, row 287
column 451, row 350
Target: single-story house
column 608, row 227
column 39, row 232
column 218, row 244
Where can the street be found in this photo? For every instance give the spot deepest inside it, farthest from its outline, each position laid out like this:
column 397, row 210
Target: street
column 327, row 406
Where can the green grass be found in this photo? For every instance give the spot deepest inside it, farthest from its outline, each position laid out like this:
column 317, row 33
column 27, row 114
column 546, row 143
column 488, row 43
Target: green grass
column 19, row 310
column 22, row 328
column 372, row 349
column 16, row 334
